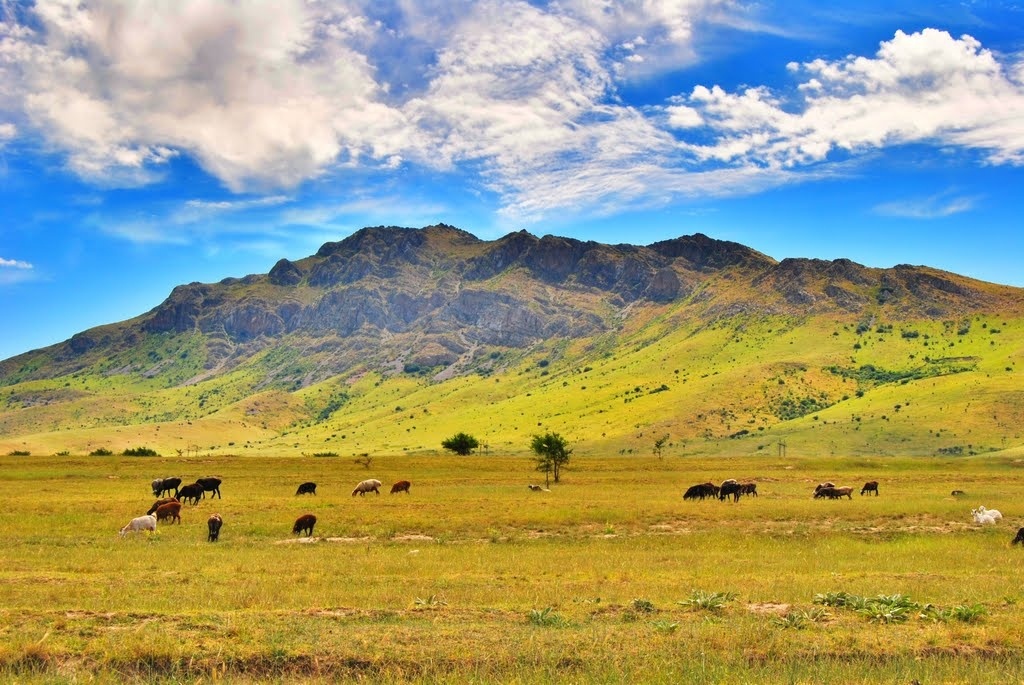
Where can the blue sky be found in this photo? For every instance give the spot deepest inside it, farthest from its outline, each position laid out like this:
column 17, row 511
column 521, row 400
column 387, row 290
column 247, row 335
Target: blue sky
column 149, row 144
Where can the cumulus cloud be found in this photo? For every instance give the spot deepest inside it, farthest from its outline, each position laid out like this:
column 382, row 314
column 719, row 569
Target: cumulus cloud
column 920, row 87
column 15, row 271
column 523, row 96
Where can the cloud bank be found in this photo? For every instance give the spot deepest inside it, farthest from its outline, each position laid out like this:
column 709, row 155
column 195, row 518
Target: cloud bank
column 523, row 98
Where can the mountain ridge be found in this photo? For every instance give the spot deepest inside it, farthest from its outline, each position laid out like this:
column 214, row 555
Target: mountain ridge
column 694, row 337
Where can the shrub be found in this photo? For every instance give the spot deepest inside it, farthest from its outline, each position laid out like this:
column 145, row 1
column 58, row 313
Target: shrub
column 140, row 452
column 708, row 601
column 545, row 617
column 19, row 453
column 101, row 452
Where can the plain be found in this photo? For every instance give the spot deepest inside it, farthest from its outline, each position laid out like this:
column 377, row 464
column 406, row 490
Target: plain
column 610, row 577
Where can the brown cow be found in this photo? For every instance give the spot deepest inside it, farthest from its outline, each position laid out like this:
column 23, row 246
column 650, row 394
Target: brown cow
column 401, row 486
column 156, row 504
column 305, row 524
column 870, row 486
column 171, row 510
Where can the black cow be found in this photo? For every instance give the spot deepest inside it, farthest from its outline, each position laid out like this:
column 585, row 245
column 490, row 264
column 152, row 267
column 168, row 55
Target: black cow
column 191, row 492
column 306, row 489
column 211, row 485
column 870, row 486
column 213, row 524
column 304, row 524
column 162, row 486
column 700, row 491
column 1020, row 537
column 730, row 487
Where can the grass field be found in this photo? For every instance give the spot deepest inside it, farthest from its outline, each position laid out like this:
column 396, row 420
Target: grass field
column 472, row 578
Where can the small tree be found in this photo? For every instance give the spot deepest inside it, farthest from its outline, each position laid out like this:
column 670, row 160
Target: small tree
column 660, row 444
column 552, row 454
column 460, row 443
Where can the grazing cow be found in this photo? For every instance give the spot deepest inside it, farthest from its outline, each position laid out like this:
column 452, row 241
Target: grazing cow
column 1019, row 538
column 213, row 524
column 729, row 487
column 147, row 522
column 211, row 485
column 822, row 486
column 994, row 513
column 171, row 510
column 748, row 489
column 305, row 524
column 306, row 489
column 538, row 488
column 370, row 485
column 191, row 492
column 157, row 503
column 870, row 486
column 834, row 493
column 161, row 486
column 401, row 486
column 701, row 490
column 957, row 493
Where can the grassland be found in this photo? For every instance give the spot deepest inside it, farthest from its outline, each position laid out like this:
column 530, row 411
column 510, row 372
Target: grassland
column 472, row 578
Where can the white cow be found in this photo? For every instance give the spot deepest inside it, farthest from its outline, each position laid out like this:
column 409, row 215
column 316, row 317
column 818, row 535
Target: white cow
column 371, row 485
column 141, row 523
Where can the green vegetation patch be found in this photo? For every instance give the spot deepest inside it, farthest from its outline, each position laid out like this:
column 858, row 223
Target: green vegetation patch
column 871, row 375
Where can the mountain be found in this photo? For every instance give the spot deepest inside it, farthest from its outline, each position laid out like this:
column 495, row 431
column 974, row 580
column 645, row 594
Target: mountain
column 392, row 315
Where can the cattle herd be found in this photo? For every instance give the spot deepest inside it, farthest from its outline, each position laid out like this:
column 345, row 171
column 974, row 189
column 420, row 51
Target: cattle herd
column 168, row 506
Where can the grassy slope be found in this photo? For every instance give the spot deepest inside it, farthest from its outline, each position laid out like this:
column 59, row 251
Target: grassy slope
column 720, row 379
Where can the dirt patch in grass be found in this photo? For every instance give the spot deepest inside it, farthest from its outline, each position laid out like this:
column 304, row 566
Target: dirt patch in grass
column 769, row 608
column 412, row 537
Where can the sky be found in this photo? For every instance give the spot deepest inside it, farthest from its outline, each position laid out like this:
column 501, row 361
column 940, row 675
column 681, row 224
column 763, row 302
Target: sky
column 146, row 144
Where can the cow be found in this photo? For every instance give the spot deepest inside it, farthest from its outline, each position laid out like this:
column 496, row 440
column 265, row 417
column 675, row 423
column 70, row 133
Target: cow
column 213, row 524
column 162, row 486
column 156, row 504
column 370, row 485
column 147, row 522
column 401, row 486
column 822, row 486
column 191, row 492
column 537, row 488
column 305, row 524
column 211, row 485
column 870, row 486
column 730, row 487
column 748, row 489
column 170, row 510
column 306, row 489
column 1019, row 538
column 834, row 493
column 700, row 491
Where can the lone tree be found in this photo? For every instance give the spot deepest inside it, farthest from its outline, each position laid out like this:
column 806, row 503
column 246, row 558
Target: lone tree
column 460, row 443
column 552, row 454
column 659, row 445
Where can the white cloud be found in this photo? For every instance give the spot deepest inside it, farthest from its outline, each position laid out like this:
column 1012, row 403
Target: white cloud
column 16, row 271
column 921, row 87
column 7, row 132
column 265, row 96
column 933, row 207
column 13, row 264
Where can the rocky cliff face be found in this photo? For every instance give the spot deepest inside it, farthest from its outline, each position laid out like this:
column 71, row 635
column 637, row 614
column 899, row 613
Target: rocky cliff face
column 426, row 298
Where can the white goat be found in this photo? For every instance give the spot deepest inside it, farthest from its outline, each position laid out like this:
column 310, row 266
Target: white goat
column 140, row 523
column 994, row 513
column 371, row 485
